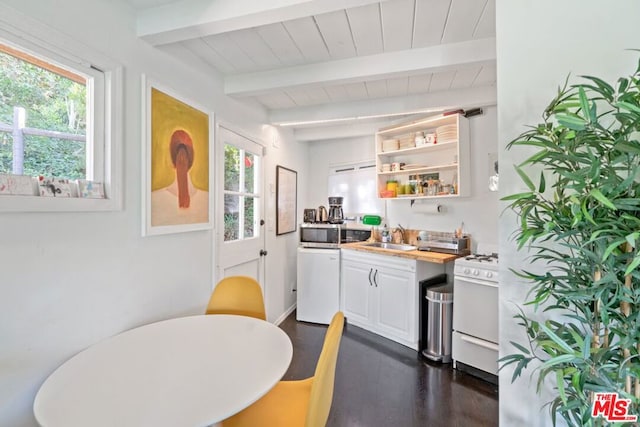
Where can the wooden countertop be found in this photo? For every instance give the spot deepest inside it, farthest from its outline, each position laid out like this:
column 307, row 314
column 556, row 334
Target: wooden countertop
column 435, row 257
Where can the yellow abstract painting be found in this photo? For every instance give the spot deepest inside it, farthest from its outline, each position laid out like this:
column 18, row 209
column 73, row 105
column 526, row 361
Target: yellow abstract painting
column 179, row 162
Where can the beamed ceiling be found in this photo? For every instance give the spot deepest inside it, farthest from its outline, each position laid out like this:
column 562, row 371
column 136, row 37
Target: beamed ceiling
column 326, row 59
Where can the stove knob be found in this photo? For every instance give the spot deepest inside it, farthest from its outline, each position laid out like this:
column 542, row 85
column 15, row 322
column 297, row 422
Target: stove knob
column 489, row 275
column 476, row 272
column 467, row 270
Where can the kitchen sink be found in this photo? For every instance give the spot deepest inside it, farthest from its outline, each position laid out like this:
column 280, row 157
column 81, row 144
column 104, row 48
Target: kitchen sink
column 394, row 246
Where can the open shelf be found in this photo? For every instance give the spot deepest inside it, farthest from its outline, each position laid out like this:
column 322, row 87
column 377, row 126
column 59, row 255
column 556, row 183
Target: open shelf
column 447, row 161
column 421, row 149
column 418, row 171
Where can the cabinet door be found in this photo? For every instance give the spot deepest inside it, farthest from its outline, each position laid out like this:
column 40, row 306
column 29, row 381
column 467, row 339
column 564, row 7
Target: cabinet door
column 394, row 304
column 356, row 290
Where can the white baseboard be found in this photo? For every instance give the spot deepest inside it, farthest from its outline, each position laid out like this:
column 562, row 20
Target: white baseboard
column 285, row 314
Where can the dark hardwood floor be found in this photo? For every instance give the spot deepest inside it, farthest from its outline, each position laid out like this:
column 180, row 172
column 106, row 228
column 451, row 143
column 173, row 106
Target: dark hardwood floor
column 382, row 383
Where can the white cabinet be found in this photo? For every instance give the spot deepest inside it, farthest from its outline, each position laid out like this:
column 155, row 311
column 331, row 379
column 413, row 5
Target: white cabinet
column 394, row 307
column 380, row 293
column 418, row 160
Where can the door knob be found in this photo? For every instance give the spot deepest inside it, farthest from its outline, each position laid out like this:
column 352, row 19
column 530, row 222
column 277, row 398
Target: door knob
column 263, row 252
column 262, row 222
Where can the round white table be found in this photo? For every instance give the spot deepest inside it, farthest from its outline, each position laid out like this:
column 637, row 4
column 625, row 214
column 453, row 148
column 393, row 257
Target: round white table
column 189, row 371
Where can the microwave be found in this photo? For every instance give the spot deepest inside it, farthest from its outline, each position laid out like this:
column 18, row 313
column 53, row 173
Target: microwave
column 321, row 235
column 324, row 235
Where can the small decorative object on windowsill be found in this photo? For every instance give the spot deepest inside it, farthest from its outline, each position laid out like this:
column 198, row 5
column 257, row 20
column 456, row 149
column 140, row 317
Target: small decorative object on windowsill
column 90, row 190
column 17, row 185
column 54, row 187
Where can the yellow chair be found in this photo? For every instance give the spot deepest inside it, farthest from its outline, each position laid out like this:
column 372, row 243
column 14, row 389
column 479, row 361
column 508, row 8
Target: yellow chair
column 237, row 295
column 303, row 403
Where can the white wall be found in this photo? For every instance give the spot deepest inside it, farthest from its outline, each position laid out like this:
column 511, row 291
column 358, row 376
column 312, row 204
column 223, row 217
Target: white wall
column 538, row 45
column 323, row 154
column 68, row 280
column 479, row 212
column 281, row 259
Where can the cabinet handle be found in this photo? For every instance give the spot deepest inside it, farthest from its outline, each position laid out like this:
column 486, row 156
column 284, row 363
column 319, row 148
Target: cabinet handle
column 370, row 270
column 375, row 278
column 482, row 343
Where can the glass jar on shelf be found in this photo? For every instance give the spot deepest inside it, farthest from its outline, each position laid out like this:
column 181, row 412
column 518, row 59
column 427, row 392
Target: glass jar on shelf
column 392, row 186
column 447, row 189
column 413, row 184
column 432, row 187
column 400, row 188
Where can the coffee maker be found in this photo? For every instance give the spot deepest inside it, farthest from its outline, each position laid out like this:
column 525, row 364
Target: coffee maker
column 336, row 216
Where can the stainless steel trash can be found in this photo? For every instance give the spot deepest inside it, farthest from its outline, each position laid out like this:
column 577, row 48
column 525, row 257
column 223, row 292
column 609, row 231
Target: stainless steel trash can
column 439, row 302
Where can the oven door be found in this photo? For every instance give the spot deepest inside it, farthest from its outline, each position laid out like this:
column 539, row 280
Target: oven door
column 475, row 308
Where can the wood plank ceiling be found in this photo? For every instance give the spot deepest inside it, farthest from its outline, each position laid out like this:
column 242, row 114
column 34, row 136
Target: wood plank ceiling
column 308, row 54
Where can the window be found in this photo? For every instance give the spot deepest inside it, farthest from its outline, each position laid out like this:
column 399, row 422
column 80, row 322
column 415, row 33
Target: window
column 358, row 185
column 241, row 193
column 59, row 117
column 43, row 118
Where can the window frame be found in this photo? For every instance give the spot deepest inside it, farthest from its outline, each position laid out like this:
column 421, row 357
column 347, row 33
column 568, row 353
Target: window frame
column 243, row 195
column 346, row 173
column 104, row 116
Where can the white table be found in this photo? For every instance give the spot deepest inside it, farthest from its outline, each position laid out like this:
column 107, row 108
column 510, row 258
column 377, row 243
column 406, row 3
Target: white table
column 190, row 371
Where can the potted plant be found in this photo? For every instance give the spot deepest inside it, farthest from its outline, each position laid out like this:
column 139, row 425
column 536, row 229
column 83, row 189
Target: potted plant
column 580, row 221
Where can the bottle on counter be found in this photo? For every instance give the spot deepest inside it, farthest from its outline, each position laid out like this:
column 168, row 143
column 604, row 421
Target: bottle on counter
column 385, row 237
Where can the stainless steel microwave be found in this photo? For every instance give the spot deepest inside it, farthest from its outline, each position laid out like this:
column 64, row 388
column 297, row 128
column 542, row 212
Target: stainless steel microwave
column 324, row 235
column 321, row 235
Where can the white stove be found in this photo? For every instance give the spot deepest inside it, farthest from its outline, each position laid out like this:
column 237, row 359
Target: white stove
column 475, row 313
column 480, row 266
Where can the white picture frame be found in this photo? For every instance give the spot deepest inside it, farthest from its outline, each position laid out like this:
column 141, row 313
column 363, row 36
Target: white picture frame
column 176, row 195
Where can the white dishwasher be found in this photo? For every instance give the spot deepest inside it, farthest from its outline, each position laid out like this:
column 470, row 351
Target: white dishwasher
column 318, row 294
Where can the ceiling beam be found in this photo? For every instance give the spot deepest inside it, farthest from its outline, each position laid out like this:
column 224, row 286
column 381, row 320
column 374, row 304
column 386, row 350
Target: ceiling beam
column 351, row 130
column 426, row 103
column 373, row 67
column 188, row 19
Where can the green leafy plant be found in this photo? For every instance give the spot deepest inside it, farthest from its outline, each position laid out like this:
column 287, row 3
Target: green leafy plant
column 52, row 102
column 580, row 222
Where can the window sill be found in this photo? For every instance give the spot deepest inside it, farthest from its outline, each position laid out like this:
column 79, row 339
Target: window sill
column 53, row 204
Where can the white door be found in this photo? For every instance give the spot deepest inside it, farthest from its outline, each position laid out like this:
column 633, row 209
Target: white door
column 239, row 224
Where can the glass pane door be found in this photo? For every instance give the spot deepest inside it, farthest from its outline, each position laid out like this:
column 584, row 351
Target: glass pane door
column 241, row 191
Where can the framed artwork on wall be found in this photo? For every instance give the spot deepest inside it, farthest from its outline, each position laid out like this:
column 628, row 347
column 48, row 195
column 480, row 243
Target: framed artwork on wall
column 177, row 163
column 286, row 200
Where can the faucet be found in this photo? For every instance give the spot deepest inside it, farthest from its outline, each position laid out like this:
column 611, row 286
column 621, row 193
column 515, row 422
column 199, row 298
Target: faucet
column 402, row 232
